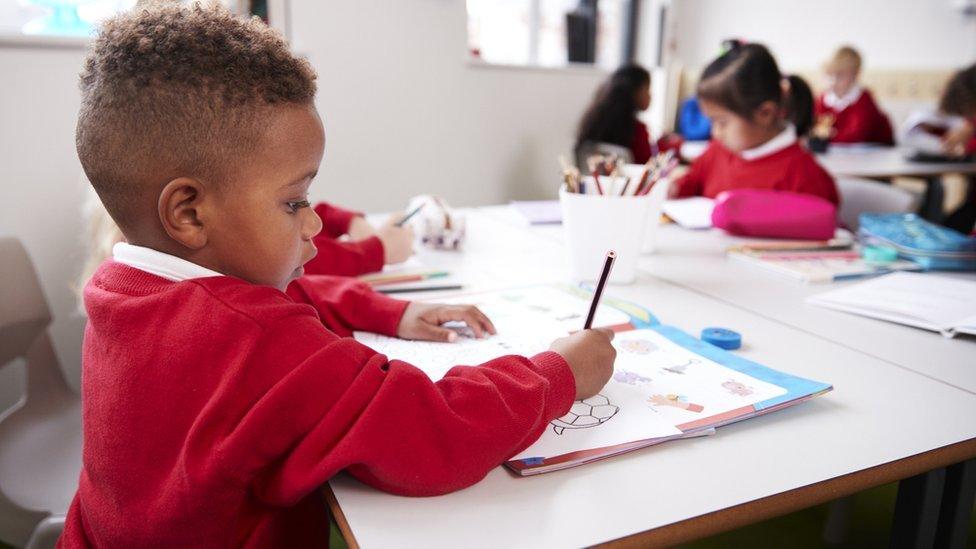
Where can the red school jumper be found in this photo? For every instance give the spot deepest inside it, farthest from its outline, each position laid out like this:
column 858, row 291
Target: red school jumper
column 640, row 145
column 860, row 122
column 214, row 409
column 789, row 169
column 347, row 258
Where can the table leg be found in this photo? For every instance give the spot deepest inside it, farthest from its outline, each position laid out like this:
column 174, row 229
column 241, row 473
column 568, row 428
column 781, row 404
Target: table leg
column 933, row 200
column 917, row 511
column 958, row 497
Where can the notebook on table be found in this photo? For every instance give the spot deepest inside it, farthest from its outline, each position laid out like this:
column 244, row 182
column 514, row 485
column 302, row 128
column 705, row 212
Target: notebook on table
column 666, row 385
column 938, row 303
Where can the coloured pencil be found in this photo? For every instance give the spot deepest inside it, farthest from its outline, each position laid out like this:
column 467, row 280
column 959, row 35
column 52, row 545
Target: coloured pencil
column 607, row 267
column 411, row 214
column 420, row 289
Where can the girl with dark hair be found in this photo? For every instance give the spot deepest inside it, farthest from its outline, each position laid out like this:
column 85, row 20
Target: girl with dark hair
column 757, row 118
column 612, row 116
column 959, row 99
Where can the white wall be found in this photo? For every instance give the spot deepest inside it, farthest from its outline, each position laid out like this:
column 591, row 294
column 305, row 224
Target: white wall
column 404, row 114
column 41, row 193
column 803, row 33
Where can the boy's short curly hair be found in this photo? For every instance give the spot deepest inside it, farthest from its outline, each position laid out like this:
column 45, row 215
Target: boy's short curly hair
column 170, row 91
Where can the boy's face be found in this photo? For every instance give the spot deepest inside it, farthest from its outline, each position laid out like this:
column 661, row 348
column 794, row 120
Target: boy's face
column 737, row 133
column 260, row 227
column 841, row 80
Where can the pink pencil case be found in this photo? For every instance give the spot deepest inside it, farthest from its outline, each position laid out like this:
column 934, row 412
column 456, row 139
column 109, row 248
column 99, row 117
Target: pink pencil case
column 774, row 214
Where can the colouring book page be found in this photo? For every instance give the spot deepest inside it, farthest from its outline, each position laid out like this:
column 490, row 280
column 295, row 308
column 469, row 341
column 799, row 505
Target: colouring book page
column 679, row 385
column 615, row 416
column 528, row 320
column 540, row 306
column 435, row 359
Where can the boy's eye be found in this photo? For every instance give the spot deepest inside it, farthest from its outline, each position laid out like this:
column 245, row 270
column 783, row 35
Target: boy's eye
column 295, row 205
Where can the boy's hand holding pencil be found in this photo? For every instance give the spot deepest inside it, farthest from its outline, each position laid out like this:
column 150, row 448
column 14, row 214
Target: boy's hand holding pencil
column 590, row 355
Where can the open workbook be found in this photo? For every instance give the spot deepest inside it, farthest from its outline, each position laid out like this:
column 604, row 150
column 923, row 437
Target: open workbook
column 938, row 303
column 666, row 384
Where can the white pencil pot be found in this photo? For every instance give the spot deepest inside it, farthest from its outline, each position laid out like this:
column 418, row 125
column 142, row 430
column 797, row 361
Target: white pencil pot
column 657, row 196
column 594, row 224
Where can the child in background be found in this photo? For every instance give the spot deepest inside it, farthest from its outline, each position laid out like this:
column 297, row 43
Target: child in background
column 366, row 250
column 216, row 400
column 756, row 115
column 612, row 116
column 855, row 116
column 959, row 99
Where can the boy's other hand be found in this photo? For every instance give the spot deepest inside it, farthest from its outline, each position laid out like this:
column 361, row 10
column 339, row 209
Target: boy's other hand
column 360, row 229
column 422, row 321
column 590, row 356
column 397, row 241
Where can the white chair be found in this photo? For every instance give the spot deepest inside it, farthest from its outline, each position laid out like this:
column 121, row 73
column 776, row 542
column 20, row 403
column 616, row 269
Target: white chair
column 858, row 196
column 40, row 436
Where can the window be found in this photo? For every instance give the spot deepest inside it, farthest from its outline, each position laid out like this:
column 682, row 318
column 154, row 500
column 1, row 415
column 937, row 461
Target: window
column 57, row 18
column 539, row 32
column 40, row 20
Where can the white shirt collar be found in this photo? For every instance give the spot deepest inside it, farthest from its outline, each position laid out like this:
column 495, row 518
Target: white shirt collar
column 841, row 102
column 785, row 138
column 154, row 262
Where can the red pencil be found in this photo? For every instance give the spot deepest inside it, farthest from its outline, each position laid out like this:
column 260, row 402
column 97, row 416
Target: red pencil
column 596, row 179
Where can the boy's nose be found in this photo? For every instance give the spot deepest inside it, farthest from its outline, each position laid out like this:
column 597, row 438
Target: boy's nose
column 313, row 224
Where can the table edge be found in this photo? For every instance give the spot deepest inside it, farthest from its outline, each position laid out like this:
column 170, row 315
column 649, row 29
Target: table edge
column 758, row 510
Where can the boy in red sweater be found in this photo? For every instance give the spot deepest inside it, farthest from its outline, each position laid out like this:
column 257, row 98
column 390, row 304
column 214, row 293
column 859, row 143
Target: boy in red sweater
column 214, row 403
column 754, row 145
column 855, row 117
column 366, row 250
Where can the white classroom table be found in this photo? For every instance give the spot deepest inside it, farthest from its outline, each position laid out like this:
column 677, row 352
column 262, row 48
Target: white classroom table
column 876, row 162
column 696, row 260
column 884, row 163
column 863, row 161
column 880, row 424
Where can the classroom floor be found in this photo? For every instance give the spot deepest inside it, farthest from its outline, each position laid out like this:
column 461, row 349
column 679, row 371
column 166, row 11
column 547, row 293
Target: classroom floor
column 870, row 526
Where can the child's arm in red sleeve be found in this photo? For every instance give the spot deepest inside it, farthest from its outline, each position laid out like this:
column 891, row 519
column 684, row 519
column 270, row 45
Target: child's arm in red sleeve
column 693, row 182
column 349, row 258
column 346, row 304
column 809, row 177
column 335, row 404
column 335, row 220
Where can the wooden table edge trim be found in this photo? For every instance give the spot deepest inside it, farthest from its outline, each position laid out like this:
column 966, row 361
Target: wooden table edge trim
column 776, row 505
column 339, row 517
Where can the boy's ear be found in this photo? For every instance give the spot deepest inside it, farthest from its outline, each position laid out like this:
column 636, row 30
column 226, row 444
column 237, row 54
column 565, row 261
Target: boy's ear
column 179, row 211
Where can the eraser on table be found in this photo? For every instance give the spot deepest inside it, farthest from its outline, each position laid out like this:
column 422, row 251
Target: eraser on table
column 722, row 338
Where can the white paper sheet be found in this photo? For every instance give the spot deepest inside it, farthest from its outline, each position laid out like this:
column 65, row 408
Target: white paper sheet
column 918, row 299
column 690, row 213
